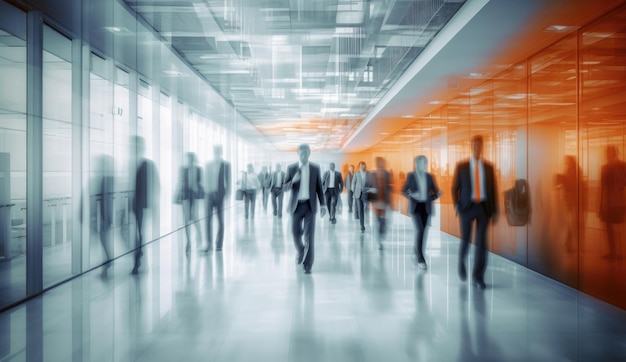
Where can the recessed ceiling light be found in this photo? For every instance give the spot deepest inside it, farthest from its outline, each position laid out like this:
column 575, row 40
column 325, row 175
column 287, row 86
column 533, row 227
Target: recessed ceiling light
column 560, row 28
column 476, row 75
column 409, row 116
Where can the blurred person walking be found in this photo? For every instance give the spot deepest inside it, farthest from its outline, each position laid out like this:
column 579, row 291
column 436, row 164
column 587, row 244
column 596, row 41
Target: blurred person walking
column 305, row 183
column 360, row 186
column 276, row 187
column 380, row 181
column 250, row 185
column 421, row 190
column 189, row 191
column 147, row 189
column 475, row 199
column 218, row 188
column 332, row 185
column 264, row 183
column 349, row 177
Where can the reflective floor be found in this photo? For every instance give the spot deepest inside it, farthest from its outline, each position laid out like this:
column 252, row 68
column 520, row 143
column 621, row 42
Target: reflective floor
column 252, row 303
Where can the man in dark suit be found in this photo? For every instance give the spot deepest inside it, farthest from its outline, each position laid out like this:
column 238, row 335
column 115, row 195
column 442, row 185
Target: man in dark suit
column 276, row 187
column 305, row 182
column 218, row 188
column 360, row 187
column 332, row 184
column 146, row 193
column 421, row 190
column 475, row 198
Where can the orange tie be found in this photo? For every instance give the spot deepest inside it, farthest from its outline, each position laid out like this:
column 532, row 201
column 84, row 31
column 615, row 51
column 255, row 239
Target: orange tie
column 476, row 182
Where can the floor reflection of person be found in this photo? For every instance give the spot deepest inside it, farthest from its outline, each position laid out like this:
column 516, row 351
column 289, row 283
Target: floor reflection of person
column 421, row 190
column 146, row 194
column 612, row 201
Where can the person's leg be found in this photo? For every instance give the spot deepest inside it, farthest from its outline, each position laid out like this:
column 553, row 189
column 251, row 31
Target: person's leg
column 309, row 238
column 361, row 213
column 139, row 239
column 274, row 197
column 280, row 203
column 219, row 206
column 333, row 200
column 350, row 200
column 211, row 206
column 296, row 231
column 252, row 202
column 187, row 220
column 480, row 259
column 465, row 218
column 246, row 202
column 328, row 196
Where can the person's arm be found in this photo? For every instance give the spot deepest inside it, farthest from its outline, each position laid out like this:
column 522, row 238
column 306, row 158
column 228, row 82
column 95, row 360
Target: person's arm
column 434, row 192
column 320, row 194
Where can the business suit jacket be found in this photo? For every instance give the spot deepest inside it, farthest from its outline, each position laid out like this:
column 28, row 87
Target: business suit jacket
column 360, row 185
column 315, row 187
column 411, row 185
column 462, row 188
column 146, row 186
column 223, row 183
column 338, row 181
column 273, row 179
column 373, row 182
column 349, row 177
column 186, row 185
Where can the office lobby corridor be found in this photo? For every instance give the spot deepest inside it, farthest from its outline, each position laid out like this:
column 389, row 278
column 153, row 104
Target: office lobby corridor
column 250, row 302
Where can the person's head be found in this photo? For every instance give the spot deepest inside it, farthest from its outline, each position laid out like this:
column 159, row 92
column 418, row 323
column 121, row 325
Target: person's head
column 250, row 168
column 332, row 166
column 351, row 168
column 278, row 167
column 217, row 152
column 362, row 166
column 421, row 163
column 304, row 151
column 477, row 147
column 191, row 158
column 264, row 169
column 380, row 163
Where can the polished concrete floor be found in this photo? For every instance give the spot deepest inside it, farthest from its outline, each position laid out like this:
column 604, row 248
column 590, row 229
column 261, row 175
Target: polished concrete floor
column 250, row 302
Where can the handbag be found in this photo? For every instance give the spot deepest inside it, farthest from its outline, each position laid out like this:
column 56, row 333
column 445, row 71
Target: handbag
column 239, row 195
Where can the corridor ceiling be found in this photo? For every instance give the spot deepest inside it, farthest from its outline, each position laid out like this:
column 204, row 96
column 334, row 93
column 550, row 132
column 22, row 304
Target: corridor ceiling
column 342, row 75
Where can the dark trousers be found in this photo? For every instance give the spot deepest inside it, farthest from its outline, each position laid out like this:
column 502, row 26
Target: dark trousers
column 475, row 212
column 350, row 200
column 382, row 222
column 420, row 221
column 249, row 197
column 303, row 230
column 139, row 238
column 215, row 201
column 360, row 206
column 277, row 201
column 266, row 195
column 331, row 200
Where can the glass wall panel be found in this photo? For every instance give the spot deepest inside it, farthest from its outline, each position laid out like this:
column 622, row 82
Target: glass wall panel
column 603, row 127
column 121, row 231
column 510, row 129
column 57, row 156
column 12, row 155
column 554, row 167
column 169, row 176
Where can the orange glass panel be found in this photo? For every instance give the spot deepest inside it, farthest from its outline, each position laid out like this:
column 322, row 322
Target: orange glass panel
column 553, row 166
column 602, row 130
